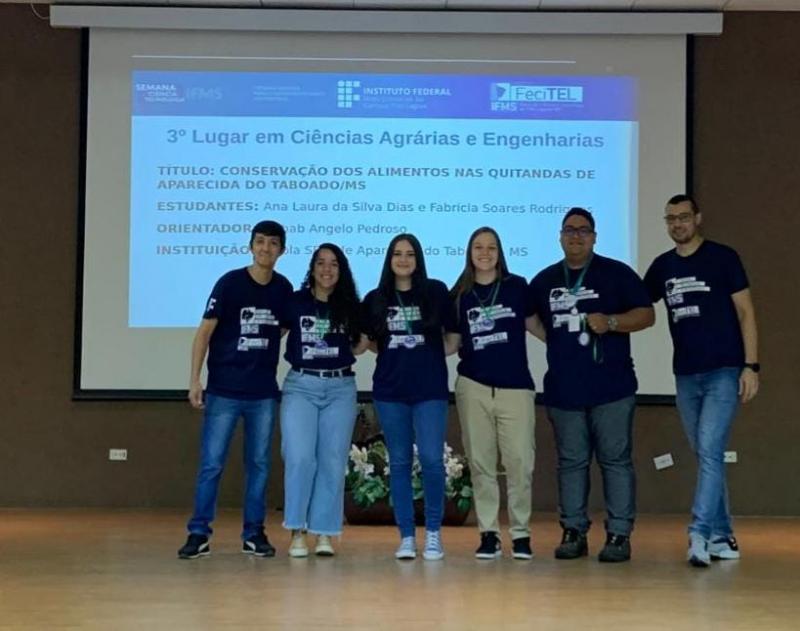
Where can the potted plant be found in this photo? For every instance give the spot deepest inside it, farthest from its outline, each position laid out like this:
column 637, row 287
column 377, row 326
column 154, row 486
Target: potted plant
column 367, row 498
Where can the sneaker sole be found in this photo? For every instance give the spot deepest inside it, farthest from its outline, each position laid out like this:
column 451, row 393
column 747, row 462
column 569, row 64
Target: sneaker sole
column 698, row 562
column 187, row 557
column 488, row 556
column 522, row 556
column 405, row 556
column 726, row 556
column 569, row 557
column 298, row 554
column 259, row 554
column 433, row 557
column 324, row 553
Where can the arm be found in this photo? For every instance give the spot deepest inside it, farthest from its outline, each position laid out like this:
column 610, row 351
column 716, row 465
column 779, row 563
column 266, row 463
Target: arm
column 636, row 319
column 748, row 381
column 363, row 345
column 534, row 326
column 452, row 342
column 199, row 350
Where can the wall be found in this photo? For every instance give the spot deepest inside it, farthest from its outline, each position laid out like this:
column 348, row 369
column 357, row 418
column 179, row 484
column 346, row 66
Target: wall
column 53, row 451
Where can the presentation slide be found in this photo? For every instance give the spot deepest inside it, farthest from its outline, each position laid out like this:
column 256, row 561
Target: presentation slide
column 357, row 158
column 193, row 137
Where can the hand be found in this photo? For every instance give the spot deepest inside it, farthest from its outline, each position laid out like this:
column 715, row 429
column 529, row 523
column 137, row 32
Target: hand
column 748, row 384
column 597, row 323
column 196, row 395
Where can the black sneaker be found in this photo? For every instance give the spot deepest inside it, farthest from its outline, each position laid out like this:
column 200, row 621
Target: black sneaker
column 258, row 545
column 490, row 546
column 521, row 548
column 616, row 550
column 573, row 545
column 195, row 546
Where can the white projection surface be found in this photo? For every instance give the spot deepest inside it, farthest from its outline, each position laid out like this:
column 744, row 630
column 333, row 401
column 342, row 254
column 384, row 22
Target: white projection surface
column 193, row 137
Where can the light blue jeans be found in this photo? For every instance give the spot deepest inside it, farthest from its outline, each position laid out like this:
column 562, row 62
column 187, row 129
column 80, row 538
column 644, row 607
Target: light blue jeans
column 317, row 418
column 404, row 424
column 219, row 422
column 707, row 403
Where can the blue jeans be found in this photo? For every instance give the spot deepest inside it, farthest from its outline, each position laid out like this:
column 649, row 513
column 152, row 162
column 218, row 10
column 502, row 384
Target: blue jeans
column 317, row 418
column 402, row 423
column 605, row 430
column 221, row 416
column 707, row 403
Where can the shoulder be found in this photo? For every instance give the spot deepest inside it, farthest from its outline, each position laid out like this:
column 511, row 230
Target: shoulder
column 281, row 282
column 435, row 286
column 232, row 276
column 715, row 249
column 613, row 266
column 546, row 274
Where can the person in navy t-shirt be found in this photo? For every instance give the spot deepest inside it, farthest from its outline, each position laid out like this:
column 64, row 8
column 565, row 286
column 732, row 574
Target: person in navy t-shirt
column 713, row 327
column 588, row 305
column 240, row 332
column 318, row 408
column 494, row 389
column 404, row 317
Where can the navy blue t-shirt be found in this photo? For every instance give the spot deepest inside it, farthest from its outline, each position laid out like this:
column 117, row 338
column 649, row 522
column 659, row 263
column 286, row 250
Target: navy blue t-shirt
column 312, row 343
column 702, row 316
column 410, row 366
column 601, row 371
column 491, row 322
column 244, row 347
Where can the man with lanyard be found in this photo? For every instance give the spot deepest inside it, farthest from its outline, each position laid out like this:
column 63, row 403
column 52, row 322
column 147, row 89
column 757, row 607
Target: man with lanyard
column 588, row 305
column 240, row 332
column 713, row 327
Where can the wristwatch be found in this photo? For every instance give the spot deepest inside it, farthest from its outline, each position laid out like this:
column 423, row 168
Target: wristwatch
column 755, row 366
column 612, row 323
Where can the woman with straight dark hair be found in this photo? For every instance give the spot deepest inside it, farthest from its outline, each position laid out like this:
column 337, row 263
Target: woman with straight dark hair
column 318, row 408
column 404, row 317
column 494, row 389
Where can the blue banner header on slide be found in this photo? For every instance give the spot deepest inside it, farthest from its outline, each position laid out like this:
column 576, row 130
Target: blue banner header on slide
column 345, row 95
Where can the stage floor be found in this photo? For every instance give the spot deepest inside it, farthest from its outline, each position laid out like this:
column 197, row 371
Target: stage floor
column 109, row 569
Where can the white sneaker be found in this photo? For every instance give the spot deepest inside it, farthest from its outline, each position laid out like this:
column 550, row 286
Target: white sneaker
column 723, row 548
column 433, row 546
column 324, row 547
column 298, row 548
column 697, row 555
column 407, row 549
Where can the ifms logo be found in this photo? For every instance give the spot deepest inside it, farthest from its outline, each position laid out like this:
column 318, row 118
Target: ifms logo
column 197, row 93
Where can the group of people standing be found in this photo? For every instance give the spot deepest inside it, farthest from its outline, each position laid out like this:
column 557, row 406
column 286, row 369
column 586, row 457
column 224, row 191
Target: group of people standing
column 583, row 308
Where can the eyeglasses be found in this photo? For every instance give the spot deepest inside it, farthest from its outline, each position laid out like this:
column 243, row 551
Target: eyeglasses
column 583, row 231
column 681, row 218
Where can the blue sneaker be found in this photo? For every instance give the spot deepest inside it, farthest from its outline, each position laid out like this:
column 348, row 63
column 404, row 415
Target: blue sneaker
column 433, row 546
column 407, row 549
column 698, row 555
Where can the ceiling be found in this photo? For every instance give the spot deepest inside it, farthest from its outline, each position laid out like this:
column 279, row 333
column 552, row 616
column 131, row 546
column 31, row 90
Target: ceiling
column 516, row 5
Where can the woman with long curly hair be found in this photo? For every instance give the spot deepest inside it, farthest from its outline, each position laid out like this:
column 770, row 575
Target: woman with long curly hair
column 318, row 408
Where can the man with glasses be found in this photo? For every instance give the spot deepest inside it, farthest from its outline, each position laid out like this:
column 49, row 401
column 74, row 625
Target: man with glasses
column 588, row 305
column 715, row 361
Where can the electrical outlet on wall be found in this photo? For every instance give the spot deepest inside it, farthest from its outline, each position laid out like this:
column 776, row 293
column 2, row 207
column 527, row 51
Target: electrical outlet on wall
column 731, row 457
column 117, row 454
column 664, row 461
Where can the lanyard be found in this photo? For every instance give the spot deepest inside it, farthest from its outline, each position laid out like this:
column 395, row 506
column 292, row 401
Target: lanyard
column 597, row 349
column 403, row 312
column 486, row 310
column 576, row 287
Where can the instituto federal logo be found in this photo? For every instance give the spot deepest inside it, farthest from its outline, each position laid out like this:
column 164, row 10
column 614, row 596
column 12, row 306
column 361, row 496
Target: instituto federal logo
column 347, row 93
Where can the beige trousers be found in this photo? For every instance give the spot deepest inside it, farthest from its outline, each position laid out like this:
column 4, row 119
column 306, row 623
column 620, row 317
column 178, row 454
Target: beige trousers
column 501, row 419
